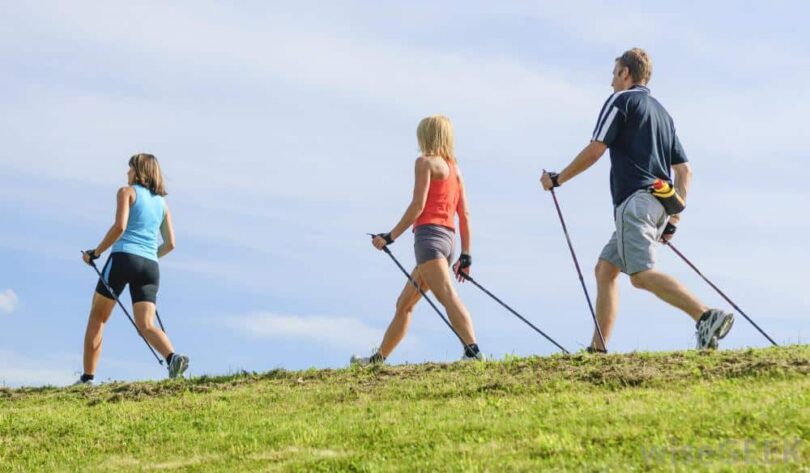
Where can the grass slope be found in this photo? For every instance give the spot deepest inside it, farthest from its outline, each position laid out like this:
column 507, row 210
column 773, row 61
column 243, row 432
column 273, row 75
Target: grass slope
column 682, row 411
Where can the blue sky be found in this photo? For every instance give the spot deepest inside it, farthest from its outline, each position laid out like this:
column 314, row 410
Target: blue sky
column 287, row 131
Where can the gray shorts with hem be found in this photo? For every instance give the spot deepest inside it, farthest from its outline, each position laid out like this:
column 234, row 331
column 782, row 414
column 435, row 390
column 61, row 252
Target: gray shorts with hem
column 433, row 241
column 640, row 221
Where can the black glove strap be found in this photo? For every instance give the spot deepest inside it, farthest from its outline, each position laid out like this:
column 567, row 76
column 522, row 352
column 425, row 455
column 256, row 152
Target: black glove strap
column 465, row 261
column 670, row 229
column 386, row 237
column 554, row 179
column 92, row 254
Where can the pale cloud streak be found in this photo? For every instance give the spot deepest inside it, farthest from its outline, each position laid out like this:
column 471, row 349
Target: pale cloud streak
column 342, row 332
column 8, row 301
column 19, row 370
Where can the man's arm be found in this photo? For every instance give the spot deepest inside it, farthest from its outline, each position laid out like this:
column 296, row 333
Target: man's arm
column 585, row 159
column 683, row 177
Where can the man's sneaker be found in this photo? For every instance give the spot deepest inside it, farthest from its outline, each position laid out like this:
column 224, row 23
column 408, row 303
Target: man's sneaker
column 375, row 359
column 178, row 366
column 713, row 326
column 79, row 382
column 595, row 351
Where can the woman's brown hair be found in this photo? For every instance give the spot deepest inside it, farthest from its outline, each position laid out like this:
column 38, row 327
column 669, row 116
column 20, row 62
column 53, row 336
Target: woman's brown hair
column 147, row 172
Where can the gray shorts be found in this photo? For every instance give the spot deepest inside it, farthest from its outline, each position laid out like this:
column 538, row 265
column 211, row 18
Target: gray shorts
column 640, row 221
column 433, row 241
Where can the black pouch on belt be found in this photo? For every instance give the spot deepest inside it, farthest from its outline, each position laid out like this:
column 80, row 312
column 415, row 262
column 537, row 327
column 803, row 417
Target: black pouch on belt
column 668, row 196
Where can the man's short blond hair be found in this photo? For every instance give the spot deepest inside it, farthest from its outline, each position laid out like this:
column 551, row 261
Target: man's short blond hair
column 639, row 63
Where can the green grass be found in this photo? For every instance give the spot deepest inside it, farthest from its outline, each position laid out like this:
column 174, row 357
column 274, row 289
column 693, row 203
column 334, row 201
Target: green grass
column 683, row 411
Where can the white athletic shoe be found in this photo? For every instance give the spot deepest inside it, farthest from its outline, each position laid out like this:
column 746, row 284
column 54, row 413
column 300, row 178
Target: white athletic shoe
column 478, row 357
column 356, row 360
column 79, row 382
column 712, row 328
column 178, row 366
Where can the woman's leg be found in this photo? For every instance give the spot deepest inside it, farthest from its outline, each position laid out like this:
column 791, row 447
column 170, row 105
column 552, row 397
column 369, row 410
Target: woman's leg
column 436, row 273
column 402, row 317
column 100, row 310
column 144, row 319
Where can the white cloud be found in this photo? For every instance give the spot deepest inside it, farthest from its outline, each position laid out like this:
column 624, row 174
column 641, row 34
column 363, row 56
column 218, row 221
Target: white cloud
column 19, row 370
column 8, row 301
column 342, row 332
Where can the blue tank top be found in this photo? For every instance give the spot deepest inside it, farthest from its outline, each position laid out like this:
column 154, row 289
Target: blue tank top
column 143, row 227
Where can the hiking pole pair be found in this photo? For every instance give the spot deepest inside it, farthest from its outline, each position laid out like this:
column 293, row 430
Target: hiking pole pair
column 126, row 312
column 579, row 271
column 470, row 278
column 416, row 285
column 736, row 307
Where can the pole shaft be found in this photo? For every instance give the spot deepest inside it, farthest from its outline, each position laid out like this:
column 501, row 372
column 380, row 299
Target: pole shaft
column 722, row 294
column 110, row 290
column 407, row 275
column 579, row 271
column 469, row 278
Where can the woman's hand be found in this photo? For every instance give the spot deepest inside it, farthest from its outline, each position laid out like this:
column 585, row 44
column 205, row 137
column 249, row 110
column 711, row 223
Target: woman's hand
column 88, row 256
column 462, row 267
column 381, row 240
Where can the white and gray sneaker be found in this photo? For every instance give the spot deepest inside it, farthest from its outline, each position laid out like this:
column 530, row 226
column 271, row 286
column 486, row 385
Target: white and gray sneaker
column 478, row 357
column 79, row 382
column 178, row 366
column 375, row 358
column 713, row 326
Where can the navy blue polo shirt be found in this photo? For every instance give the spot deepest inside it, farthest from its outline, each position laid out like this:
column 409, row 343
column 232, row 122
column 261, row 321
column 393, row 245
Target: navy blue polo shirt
column 642, row 141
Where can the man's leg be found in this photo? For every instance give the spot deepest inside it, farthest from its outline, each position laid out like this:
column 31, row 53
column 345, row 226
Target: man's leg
column 607, row 300
column 607, row 273
column 669, row 290
column 641, row 220
column 639, row 223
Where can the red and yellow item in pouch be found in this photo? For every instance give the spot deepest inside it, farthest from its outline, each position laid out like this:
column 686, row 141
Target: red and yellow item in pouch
column 668, row 196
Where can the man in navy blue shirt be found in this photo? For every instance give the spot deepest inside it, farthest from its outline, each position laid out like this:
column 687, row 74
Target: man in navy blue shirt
column 643, row 149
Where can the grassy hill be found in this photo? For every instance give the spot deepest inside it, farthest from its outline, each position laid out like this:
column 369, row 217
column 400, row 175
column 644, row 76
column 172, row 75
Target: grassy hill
column 683, row 411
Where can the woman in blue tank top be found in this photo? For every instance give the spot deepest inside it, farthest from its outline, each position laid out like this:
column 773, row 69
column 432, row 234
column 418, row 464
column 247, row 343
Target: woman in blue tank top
column 141, row 234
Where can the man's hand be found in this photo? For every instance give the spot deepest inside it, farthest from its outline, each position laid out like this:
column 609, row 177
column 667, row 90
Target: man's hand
column 549, row 180
column 669, row 232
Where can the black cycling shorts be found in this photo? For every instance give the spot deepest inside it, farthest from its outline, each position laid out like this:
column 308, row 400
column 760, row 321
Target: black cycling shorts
column 142, row 275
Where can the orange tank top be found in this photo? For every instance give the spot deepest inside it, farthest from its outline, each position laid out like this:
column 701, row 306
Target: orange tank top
column 442, row 201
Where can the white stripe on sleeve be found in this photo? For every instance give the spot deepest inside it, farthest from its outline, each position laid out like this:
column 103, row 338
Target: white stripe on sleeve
column 602, row 132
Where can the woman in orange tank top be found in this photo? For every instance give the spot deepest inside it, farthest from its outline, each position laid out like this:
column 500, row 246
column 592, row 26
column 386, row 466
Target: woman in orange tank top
column 438, row 196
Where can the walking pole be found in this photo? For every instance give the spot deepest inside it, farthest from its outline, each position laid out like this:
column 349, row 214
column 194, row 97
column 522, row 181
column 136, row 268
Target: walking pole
column 407, row 275
column 157, row 314
column 736, row 307
column 470, row 278
column 579, row 271
column 110, row 290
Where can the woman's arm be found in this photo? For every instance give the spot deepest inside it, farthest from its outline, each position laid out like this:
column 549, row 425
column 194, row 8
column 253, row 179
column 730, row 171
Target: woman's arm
column 167, row 233
column 463, row 211
column 124, row 200
column 417, row 205
column 420, row 192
